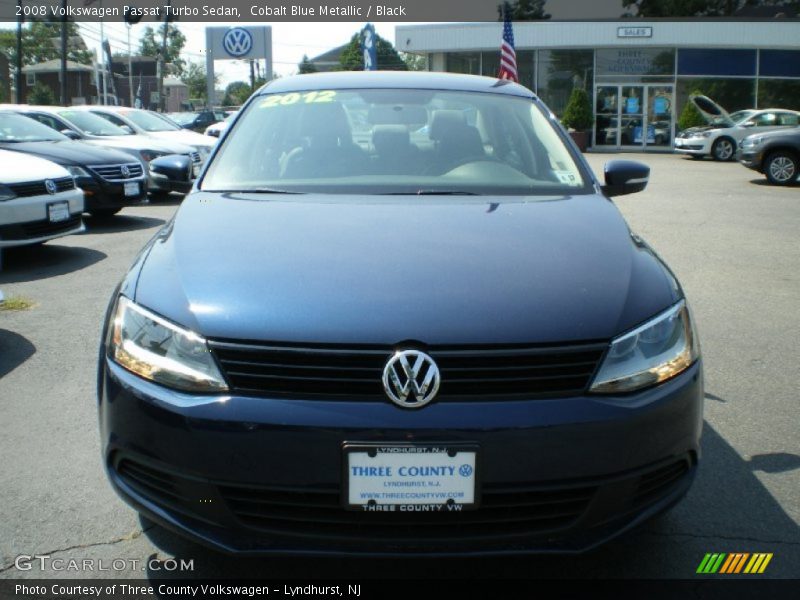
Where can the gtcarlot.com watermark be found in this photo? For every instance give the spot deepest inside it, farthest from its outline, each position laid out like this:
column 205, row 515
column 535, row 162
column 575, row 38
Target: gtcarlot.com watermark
column 44, row 562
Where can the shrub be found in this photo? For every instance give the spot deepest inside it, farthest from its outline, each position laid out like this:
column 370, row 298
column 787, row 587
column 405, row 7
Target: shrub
column 690, row 116
column 578, row 113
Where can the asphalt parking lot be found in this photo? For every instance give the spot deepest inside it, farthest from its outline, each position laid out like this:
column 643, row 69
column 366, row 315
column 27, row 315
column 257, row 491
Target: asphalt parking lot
column 732, row 241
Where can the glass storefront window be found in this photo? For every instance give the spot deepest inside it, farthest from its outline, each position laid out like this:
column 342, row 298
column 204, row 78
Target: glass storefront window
column 559, row 72
column 468, row 63
column 779, row 63
column 711, row 61
column 635, row 64
column 779, row 93
column 731, row 94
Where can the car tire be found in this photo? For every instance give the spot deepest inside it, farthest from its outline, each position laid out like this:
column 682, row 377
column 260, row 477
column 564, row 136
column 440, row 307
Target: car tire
column 696, row 156
column 782, row 167
column 104, row 213
column 724, row 149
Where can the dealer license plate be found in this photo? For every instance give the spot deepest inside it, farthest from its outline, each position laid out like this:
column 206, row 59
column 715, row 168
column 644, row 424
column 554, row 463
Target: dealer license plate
column 58, row 212
column 132, row 188
column 400, row 478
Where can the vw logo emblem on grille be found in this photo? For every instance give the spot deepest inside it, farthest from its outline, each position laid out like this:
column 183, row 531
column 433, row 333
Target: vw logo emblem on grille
column 237, row 42
column 126, row 172
column 411, row 378
column 50, row 186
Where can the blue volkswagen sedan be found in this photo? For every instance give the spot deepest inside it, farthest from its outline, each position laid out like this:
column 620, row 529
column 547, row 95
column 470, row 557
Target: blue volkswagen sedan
column 399, row 314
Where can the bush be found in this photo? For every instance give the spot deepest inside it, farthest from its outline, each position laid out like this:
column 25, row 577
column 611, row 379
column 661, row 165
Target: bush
column 578, row 113
column 41, row 94
column 690, row 116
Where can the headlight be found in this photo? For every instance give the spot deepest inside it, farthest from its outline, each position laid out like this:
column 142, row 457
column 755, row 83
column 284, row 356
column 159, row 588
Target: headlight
column 160, row 351
column 752, row 142
column 6, row 193
column 78, row 172
column 654, row 352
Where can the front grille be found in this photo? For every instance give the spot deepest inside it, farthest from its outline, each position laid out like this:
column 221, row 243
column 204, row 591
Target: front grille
column 38, row 229
column 38, row 188
column 468, row 373
column 114, row 172
column 503, row 513
column 654, row 484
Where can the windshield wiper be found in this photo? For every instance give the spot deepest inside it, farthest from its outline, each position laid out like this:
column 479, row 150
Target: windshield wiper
column 432, row 193
column 262, row 190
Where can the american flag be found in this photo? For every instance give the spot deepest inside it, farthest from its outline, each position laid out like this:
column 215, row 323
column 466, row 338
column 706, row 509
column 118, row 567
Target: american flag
column 508, row 56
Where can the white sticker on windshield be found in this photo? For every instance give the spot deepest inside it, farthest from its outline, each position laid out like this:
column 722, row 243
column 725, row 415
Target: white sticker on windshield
column 567, row 177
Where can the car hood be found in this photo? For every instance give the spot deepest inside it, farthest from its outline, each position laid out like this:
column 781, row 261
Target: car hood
column 184, row 136
column 140, row 142
column 324, row 269
column 711, row 110
column 70, row 153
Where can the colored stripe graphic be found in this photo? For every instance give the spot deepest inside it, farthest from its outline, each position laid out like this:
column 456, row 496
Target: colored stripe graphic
column 734, row 563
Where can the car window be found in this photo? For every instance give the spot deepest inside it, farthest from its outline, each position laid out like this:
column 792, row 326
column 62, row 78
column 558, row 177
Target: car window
column 16, row 128
column 110, row 118
column 91, row 124
column 148, row 121
column 48, row 120
column 788, row 119
column 395, row 142
column 767, row 119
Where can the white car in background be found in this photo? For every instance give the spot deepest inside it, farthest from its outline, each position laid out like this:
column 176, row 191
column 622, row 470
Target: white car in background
column 149, row 123
column 216, row 129
column 720, row 138
column 38, row 200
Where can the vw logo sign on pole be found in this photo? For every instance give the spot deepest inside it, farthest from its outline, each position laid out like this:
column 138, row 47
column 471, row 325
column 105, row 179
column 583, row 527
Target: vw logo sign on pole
column 50, row 186
column 237, row 42
column 411, row 378
column 369, row 48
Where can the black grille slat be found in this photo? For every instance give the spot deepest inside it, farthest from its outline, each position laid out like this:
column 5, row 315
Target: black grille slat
column 44, row 228
column 469, row 372
column 656, row 482
column 38, row 188
column 114, row 172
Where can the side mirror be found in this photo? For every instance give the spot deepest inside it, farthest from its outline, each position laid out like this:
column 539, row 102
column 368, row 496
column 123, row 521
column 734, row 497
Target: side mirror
column 748, row 124
column 625, row 177
column 174, row 169
column 71, row 134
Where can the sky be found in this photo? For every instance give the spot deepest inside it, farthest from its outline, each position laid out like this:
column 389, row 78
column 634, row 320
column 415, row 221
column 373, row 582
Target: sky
column 290, row 41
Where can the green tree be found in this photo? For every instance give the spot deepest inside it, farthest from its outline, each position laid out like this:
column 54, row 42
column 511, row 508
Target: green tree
column 236, row 93
column 578, row 113
column 196, row 78
column 414, row 62
column 150, row 45
column 352, row 58
column 306, row 66
column 690, row 116
column 42, row 42
column 692, row 8
column 523, row 10
column 41, row 94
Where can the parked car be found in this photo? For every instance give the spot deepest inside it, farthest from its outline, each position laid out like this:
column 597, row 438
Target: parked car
column 776, row 154
column 145, row 122
column 38, row 200
column 216, row 129
column 432, row 342
column 721, row 136
column 78, row 124
column 109, row 179
column 198, row 121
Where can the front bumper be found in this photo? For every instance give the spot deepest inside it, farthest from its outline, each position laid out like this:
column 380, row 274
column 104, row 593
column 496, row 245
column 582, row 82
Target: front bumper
column 108, row 195
column 25, row 220
column 698, row 146
column 254, row 475
column 752, row 159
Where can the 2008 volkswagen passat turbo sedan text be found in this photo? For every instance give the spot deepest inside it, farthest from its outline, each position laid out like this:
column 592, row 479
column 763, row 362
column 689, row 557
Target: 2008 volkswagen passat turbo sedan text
column 398, row 314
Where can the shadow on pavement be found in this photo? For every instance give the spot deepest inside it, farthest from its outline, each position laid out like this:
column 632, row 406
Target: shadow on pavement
column 14, row 350
column 727, row 510
column 120, row 222
column 30, row 263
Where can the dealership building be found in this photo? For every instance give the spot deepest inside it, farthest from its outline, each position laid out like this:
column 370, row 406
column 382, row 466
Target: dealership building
column 637, row 73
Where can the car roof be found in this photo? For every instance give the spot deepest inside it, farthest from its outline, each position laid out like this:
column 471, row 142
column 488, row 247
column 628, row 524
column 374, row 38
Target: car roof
column 425, row 80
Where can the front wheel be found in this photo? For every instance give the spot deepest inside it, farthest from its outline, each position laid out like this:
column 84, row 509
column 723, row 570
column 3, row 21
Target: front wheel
column 781, row 167
column 723, row 149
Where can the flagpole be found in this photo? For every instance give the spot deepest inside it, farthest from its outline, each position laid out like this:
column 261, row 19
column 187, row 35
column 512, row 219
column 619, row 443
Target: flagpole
column 130, row 65
column 103, row 72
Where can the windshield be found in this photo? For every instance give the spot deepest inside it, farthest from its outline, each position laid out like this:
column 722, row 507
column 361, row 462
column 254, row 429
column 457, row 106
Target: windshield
column 398, row 141
column 741, row 115
column 182, row 118
column 148, row 122
column 91, row 124
column 16, row 128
